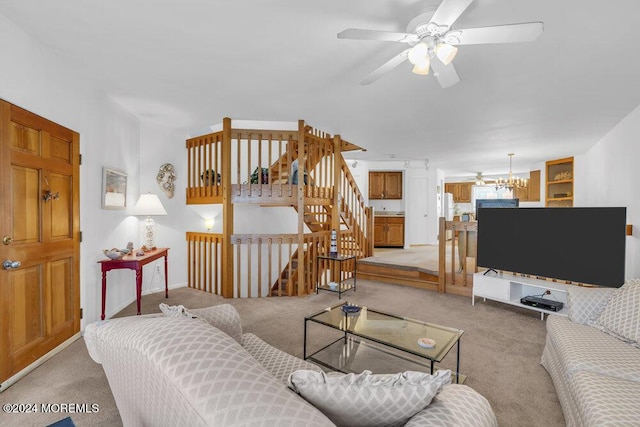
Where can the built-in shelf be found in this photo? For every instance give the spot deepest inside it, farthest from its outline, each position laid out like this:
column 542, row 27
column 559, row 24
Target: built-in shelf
column 509, row 288
column 559, row 183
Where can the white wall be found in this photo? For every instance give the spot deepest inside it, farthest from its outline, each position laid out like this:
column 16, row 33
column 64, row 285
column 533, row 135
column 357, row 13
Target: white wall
column 159, row 145
column 33, row 78
column 608, row 175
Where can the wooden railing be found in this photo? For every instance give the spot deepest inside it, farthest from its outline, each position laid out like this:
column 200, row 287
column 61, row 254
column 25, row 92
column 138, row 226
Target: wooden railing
column 204, row 167
column 357, row 215
column 260, row 165
column 455, row 277
column 260, row 260
column 204, row 255
column 319, row 163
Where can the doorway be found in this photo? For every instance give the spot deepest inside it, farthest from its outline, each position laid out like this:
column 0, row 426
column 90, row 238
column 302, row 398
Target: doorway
column 417, row 210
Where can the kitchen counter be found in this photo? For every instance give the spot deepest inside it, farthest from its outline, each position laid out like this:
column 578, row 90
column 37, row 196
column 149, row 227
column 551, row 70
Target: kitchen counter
column 389, row 213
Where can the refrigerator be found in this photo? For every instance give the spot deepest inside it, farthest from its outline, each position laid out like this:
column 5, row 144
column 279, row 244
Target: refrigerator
column 447, row 212
column 447, row 207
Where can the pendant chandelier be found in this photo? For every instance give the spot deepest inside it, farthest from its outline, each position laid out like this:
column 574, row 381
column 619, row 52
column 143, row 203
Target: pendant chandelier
column 511, row 182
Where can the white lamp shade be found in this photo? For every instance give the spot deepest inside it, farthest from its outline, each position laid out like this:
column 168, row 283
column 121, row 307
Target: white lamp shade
column 422, row 68
column 446, row 53
column 149, row 204
column 418, row 53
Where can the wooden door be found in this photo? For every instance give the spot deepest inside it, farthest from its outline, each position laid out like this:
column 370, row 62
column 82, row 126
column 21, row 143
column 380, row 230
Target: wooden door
column 39, row 205
column 376, row 185
column 393, row 185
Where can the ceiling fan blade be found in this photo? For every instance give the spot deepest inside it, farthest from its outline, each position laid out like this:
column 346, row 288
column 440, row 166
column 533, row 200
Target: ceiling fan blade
column 387, row 36
column 449, row 11
column 386, row 67
column 446, row 74
column 511, row 33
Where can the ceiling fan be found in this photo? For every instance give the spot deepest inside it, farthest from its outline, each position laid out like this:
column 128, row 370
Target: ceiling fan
column 480, row 179
column 434, row 42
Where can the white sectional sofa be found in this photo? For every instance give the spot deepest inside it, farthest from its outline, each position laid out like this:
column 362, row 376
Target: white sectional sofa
column 179, row 371
column 593, row 356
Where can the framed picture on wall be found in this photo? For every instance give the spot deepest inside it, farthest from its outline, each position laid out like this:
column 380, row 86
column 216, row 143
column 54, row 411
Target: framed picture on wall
column 114, row 189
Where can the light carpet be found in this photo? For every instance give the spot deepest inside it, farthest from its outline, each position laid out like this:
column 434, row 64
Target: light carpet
column 500, row 351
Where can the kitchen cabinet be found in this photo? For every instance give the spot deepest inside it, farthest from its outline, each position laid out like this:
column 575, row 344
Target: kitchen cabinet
column 388, row 231
column 385, row 185
column 559, row 183
column 461, row 191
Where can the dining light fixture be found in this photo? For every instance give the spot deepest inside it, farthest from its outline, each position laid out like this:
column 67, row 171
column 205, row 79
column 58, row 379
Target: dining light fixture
column 511, row 182
column 149, row 204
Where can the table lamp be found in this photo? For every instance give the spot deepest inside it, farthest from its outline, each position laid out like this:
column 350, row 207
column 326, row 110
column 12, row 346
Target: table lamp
column 149, row 204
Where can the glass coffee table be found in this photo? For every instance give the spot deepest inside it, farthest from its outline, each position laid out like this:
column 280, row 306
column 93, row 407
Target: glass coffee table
column 378, row 341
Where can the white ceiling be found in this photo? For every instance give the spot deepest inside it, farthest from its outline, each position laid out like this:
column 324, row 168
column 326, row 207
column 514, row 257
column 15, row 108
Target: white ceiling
column 189, row 63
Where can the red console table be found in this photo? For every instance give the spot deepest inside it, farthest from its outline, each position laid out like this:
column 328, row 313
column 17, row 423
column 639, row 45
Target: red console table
column 136, row 263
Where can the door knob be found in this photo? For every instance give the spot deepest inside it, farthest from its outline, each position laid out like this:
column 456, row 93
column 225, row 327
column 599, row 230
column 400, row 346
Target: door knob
column 7, row 240
column 8, row 264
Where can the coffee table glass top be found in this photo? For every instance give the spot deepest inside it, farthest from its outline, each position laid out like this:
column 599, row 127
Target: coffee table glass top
column 395, row 331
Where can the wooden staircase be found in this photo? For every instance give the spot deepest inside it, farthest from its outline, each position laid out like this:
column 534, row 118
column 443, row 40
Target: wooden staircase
column 247, row 165
column 317, row 218
column 286, row 284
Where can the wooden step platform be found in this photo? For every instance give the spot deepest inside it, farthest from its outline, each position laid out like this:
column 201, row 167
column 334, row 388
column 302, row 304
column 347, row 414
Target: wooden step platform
column 399, row 274
column 413, row 276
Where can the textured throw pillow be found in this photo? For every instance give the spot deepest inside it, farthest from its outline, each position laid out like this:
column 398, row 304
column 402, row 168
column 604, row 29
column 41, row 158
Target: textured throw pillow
column 586, row 304
column 621, row 316
column 368, row 399
column 174, row 310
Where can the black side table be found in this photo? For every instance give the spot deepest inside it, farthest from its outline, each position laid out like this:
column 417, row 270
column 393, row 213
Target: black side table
column 346, row 277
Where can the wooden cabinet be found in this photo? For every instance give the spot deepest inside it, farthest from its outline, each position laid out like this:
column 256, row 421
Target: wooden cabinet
column 530, row 193
column 385, row 185
column 393, row 185
column 395, row 231
column 461, row 191
column 379, row 231
column 388, row 231
column 376, row 185
column 559, row 183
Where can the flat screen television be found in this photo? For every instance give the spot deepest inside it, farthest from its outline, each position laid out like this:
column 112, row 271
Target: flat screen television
column 583, row 245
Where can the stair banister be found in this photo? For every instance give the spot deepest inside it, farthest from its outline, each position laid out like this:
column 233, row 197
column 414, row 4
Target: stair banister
column 227, row 212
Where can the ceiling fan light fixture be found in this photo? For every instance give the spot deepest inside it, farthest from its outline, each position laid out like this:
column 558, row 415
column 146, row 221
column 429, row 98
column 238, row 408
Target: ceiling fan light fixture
column 418, row 53
column 422, row 68
column 446, row 52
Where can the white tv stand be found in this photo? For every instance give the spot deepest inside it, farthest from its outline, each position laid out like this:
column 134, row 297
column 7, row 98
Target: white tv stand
column 509, row 288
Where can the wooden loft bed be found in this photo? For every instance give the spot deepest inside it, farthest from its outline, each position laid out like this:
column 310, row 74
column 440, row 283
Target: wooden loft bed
column 236, row 166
